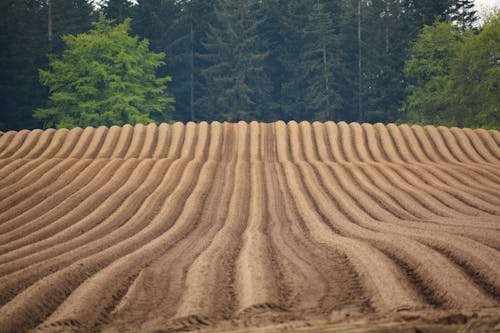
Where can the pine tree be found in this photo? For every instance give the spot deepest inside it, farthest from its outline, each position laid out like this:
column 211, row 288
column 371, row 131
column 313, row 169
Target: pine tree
column 317, row 61
column 463, row 14
column 237, row 87
column 118, row 10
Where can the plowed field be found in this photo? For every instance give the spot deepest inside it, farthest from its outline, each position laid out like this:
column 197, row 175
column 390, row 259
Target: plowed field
column 311, row 227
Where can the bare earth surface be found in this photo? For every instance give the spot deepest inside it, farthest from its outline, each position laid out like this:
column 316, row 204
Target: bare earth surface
column 323, row 227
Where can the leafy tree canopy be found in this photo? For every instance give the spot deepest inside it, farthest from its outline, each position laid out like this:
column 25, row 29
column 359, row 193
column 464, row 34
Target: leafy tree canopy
column 453, row 76
column 104, row 77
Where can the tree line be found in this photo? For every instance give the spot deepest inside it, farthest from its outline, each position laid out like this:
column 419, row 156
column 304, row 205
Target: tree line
column 231, row 60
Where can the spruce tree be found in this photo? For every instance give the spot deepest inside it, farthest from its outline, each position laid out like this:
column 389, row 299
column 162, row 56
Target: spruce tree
column 118, row 10
column 318, row 57
column 463, row 14
column 236, row 85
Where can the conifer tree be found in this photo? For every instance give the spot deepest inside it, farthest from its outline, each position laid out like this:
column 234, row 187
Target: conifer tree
column 237, row 87
column 318, row 58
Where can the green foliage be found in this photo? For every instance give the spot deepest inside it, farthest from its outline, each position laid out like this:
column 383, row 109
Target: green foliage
column 453, row 76
column 236, row 84
column 428, row 75
column 104, row 77
column 477, row 73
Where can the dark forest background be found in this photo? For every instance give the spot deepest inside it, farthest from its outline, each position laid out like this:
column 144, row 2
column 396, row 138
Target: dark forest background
column 239, row 59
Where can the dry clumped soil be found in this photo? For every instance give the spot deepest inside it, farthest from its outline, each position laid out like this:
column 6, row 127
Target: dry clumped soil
column 250, row 227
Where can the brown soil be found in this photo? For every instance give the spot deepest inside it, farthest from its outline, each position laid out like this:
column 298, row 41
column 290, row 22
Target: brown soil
column 250, row 227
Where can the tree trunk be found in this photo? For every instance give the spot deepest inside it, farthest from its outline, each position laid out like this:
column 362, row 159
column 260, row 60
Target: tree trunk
column 191, row 77
column 360, row 106
column 49, row 27
column 325, row 71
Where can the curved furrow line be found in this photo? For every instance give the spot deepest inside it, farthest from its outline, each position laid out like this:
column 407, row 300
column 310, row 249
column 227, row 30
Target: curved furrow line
column 45, row 295
column 373, row 144
column 29, row 176
column 401, row 145
column 109, row 142
column 42, row 143
column 215, row 142
column 426, row 144
column 389, row 200
column 96, row 142
column 255, row 141
column 413, row 144
column 123, row 143
column 333, row 138
column 7, row 139
column 79, row 148
column 310, row 148
column 448, row 182
column 35, row 211
column 475, row 173
column 450, row 284
column 16, row 170
column 295, row 144
column 322, row 143
column 314, row 277
column 485, row 143
column 453, row 146
column 93, row 242
column 4, row 163
column 307, row 142
column 56, row 142
column 282, row 141
column 488, row 142
column 457, row 200
column 201, row 149
column 202, row 297
column 163, row 142
column 113, row 281
column 136, row 142
column 347, row 142
column 374, row 269
column 439, row 202
column 150, row 141
column 177, row 141
column 241, row 140
column 69, row 143
column 496, row 136
column 47, row 225
column 388, row 145
column 140, row 140
column 229, row 148
column 365, row 197
column 438, row 136
column 484, row 260
column 29, row 143
column 255, row 281
column 123, row 223
column 190, row 140
column 55, row 177
column 268, row 145
column 15, row 144
column 468, row 148
column 360, row 141
column 114, row 210
column 414, row 202
column 151, row 300
column 439, row 144
column 46, row 195
column 69, row 203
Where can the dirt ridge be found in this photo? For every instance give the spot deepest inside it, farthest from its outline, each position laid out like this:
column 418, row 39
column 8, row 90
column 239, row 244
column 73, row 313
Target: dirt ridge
column 215, row 226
